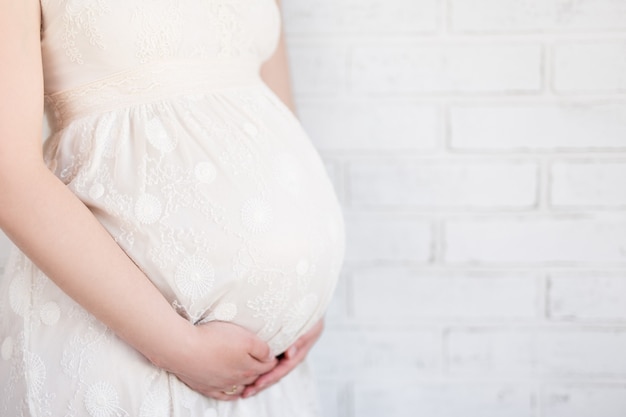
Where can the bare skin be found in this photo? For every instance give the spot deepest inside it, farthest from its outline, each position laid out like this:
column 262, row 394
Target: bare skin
column 73, row 249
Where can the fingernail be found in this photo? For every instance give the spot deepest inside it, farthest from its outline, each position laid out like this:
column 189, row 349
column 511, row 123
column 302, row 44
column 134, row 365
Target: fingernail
column 249, row 394
column 292, row 351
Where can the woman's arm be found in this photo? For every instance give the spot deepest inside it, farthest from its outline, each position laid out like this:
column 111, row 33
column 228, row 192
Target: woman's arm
column 62, row 237
column 275, row 72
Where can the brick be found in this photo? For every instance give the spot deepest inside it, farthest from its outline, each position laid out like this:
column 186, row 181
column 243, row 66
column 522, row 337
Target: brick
column 364, row 16
column 481, row 352
column 535, row 240
column 438, row 184
column 471, row 68
column 585, row 353
column 588, row 400
column 590, row 67
column 375, row 237
column 543, row 352
column 581, row 297
column 372, row 354
column 371, row 125
column 554, row 127
column 443, row 295
column 537, row 15
column 317, row 69
column 588, row 184
column 450, row 400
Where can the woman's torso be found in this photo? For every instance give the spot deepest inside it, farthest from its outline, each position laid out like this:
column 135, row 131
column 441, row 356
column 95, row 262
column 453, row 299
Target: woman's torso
column 162, row 126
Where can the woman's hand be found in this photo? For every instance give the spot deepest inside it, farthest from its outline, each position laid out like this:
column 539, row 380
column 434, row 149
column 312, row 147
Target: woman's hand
column 220, row 359
column 288, row 361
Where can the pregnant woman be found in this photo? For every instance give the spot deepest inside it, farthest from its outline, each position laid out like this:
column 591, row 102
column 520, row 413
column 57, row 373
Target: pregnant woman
column 177, row 237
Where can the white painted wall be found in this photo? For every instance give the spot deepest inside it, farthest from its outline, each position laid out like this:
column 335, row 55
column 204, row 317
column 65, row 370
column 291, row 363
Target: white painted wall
column 479, row 150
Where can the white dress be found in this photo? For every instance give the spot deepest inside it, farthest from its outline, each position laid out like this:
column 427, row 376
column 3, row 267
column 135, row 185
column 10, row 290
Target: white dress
column 162, row 126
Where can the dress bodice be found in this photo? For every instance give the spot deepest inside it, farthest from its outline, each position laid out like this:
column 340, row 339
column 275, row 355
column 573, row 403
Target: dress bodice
column 89, row 40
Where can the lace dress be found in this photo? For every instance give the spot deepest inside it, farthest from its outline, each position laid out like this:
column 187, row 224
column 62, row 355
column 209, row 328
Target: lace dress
column 162, row 126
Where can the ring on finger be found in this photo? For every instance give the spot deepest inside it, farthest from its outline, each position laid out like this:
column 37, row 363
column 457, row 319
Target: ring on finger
column 232, row 390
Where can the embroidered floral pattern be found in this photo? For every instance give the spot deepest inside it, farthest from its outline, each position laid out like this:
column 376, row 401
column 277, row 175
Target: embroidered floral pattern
column 36, row 373
column 205, row 172
column 195, row 277
column 161, row 27
column 156, row 404
column 7, row 348
column 19, row 295
column 101, row 400
column 50, row 313
column 158, row 137
column 225, row 311
column 256, row 215
column 96, row 191
column 148, row 209
column 80, row 19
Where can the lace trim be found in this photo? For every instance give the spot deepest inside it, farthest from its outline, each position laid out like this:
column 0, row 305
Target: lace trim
column 149, row 83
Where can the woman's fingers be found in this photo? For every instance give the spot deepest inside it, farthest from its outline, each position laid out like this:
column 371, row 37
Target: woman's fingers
column 228, row 362
column 222, row 356
column 259, row 368
column 260, row 350
column 229, row 393
column 283, row 368
column 292, row 358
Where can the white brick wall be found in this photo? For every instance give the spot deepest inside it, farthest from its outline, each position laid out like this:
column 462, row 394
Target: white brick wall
column 412, row 295
column 400, row 68
column 517, row 127
column 594, row 66
column 384, row 237
column 361, row 16
column 587, row 296
column 350, row 125
column 444, row 400
column 479, row 150
column 606, row 400
column 589, row 183
column 537, row 15
column 441, row 183
column 529, row 240
column 416, row 352
column 544, row 353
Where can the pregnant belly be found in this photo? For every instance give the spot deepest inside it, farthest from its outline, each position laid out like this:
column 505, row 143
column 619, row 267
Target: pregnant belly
column 258, row 262
column 220, row 200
